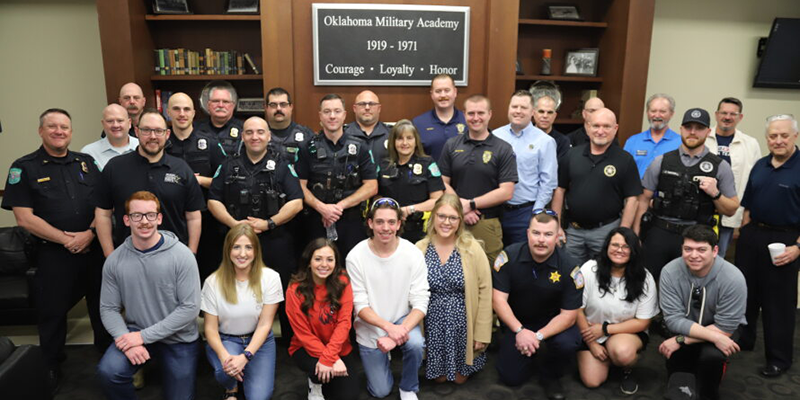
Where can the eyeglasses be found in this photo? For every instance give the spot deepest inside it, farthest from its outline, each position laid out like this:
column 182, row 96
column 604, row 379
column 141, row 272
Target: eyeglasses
column 152, row 132
column 136, row 217
column 729, row 114
column 545, row 211
column 282, row 104
column 448, row 218
column 617, row 246
column 365, row 104
column 220, row 101
column 385, row 201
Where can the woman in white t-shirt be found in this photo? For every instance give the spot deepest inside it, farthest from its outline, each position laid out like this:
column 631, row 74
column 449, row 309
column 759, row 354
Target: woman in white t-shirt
column 240, row 300
column 619, row 299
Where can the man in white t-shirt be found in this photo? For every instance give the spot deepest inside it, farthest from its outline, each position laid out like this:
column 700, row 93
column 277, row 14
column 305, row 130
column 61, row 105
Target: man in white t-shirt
column 390, row 298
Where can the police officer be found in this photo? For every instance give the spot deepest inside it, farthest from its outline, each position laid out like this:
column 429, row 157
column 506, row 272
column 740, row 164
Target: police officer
column 259, row 188
column 687, row 186
column 337, row 176
column 410, row 177
column 538, row 289
column 444, row 120
column 772, row 215
column 50, row 193
column 368, row 126
column 149, row 168
column 286, row 136
column 204, row 155
column 219, row 99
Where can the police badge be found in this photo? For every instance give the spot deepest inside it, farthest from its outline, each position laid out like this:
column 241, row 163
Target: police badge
column 610, row 170
column 487, row 156
column 706, row 166
column 270, row 165
column 386, row 144
column 417, row 169
column 298, row 137
column 202, row 144
column 84, row 167
column 352, row 149
column 234, row 132
column 460, row 128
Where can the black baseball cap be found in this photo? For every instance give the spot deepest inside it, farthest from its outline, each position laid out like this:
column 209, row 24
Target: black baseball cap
column 696, row 115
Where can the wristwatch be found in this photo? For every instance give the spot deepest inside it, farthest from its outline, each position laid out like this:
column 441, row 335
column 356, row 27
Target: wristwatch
column 605, row 329
column 271, row 224
column 719, row 194
column 472, row 205
column 539, row 336
column 248, row 355
column 680, row 339
column 518, row 330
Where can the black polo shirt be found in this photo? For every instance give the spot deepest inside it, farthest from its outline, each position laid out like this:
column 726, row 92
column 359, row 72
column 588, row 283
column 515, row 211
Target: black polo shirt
column 537, row 292
column 228, row 135
column 562, row 143
column 476, row 167
column 410, row 183
column 170, row 179
column 773, row 194
column 58, row 189
column 377, row 141
column 597, row 185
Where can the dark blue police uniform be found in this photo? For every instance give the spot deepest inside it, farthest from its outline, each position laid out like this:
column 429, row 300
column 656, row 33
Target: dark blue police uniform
column 377, row 141
column 434, row 133
column 228, row 135
column 288, row 141
column 59, row 190
column 537, row 292
column 409, row 184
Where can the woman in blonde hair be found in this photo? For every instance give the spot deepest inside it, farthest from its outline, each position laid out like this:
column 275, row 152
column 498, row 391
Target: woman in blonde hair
column 240, row 300
column 458, row 325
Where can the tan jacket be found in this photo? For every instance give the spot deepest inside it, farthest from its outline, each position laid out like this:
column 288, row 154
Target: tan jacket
column 477, row 294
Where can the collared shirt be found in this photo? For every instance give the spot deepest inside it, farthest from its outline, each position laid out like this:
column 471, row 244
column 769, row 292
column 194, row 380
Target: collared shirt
column 169, row 178
column 773, row 194
column 644, row 149
column 744, row 152
column 102, row 151
column 228, row 135
column 377, row 141
column 537, row 165
column 287, row 141
column 537, row 292
column 724, row 174
column 434, row 133
column 476, row 167
column 562, row 143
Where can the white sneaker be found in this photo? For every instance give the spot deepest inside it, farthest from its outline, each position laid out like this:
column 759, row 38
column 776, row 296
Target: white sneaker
column 407, row 395
column 315, row 391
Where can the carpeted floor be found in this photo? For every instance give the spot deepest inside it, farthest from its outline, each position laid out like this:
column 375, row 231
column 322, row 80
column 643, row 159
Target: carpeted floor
column 741, row 382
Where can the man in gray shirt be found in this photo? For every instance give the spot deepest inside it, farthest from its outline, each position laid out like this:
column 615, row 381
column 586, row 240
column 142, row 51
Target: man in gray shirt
column 703, row 299
column 153, row 277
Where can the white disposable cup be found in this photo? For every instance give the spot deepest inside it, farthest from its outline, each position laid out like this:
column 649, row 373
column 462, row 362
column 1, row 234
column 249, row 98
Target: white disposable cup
column 776, row 249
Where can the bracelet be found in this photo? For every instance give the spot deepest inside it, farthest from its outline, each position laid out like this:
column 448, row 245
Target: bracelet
column 411, row 209
column 605, row 328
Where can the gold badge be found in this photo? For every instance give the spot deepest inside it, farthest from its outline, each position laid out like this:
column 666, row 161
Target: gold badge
column 234, row 132
column 610, row 170
column 487, row 156
column 460, row 128
column 555, row 277
column 45, row 179
column 417, row 169
column 84, row 167
column 530, row 146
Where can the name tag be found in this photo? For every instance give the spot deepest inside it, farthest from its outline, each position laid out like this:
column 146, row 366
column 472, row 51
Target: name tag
column 40, row 180
column 641, row 152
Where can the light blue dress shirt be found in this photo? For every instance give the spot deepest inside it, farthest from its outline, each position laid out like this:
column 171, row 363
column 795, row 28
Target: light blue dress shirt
column 537, row 164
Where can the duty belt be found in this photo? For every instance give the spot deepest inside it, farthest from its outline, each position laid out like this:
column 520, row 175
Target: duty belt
column 578, row 225
column 674, row 227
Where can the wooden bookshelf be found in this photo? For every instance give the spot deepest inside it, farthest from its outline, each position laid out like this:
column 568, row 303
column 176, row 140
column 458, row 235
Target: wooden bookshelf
column 206, row 17
column 245, row 77
column 559, row 78
column 553, row 22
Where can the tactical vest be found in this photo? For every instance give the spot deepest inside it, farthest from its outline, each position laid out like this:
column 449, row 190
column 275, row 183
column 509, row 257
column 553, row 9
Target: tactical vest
column 253, row 194
column 335, row 175
column 289, row 146
column 196, row 153
column 678, row 194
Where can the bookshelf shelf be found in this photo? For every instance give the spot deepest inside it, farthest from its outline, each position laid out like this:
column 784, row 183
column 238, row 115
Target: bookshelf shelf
column 552, row 22
column 246, row 77
column 203, row 17
column 559, row 78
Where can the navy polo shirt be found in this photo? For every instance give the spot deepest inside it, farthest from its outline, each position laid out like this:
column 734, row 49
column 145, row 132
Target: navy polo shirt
column 773, row 194
column 537, row 292
column 170, row 179
column 228, row 135
column 377, row 141
column 434, row 133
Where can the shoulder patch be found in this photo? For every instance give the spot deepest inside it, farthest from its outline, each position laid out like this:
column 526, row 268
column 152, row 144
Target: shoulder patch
column 500, row 260
column 14, row 176
column 577, row 277
column 291, row 170
column 434, row 170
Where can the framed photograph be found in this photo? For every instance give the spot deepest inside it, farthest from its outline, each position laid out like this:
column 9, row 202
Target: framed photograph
column 563, row 11
column 242, row 7
column 254, row 104
column 170, row 7
column 581, row 62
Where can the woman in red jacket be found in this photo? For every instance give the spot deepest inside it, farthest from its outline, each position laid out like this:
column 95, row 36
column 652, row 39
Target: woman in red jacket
column 319, row 304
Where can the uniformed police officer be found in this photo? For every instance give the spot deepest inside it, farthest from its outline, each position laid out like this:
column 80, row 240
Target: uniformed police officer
column 410, row 177
column 337, row 175
column 687, row 186
column 204, row 155
column 149, row 168
column 538, row 289
column 50, row 193
column 286, row 136
column 260, row 188
column 481, row 169
column 368, row 126
column 219, row 99
column 772, row 215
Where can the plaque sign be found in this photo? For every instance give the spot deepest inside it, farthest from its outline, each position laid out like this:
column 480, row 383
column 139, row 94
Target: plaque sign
column 389, row 44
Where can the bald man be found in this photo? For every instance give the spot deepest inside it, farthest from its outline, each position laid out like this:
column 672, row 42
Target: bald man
column 115, row 140
column 132, row 99
column 580, row 135
column 599, row 184
column 367, row 109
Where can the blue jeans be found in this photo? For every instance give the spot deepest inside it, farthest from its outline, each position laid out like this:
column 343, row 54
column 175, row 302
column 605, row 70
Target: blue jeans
column 259, row 373
column 178, row 369
column 379, row 373
column 515, row 225
column 725, row 236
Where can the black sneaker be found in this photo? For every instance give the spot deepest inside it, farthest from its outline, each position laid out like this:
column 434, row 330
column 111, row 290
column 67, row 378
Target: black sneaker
column 628, row 384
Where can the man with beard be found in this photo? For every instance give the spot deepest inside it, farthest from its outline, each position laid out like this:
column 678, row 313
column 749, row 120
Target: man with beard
column 367, row 109
column 286, row 136
column 444, row 120
column 132, row 99
column 116, row 124
column 149, row 168
column 740, row 151
column 657, row 140
column 597, row 184
column 691, row 184
column 220, row 99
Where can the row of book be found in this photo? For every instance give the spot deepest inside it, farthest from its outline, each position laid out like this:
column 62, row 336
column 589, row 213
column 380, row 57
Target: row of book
column 162, row 100
column 209, row 62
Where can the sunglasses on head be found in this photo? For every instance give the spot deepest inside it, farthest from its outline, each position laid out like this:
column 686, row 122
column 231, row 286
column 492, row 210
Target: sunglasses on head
column 385, row 201
column 545, row 211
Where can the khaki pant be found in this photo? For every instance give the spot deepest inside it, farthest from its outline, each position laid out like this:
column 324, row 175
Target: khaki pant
column 490, row 232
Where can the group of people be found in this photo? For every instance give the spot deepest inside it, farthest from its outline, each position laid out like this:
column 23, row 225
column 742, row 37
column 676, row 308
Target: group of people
column 389, row 227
